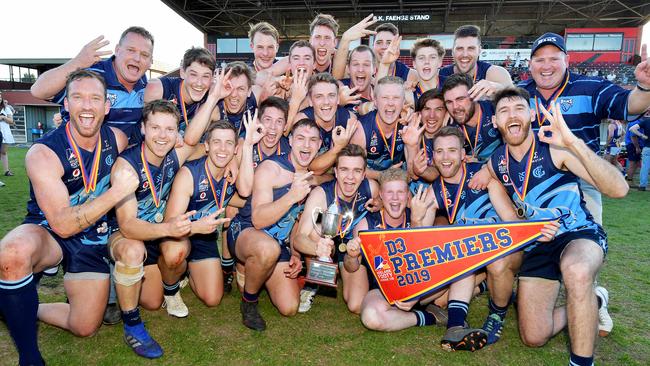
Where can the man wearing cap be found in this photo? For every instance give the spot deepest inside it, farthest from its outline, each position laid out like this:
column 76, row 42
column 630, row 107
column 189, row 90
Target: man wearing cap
column 584, row 102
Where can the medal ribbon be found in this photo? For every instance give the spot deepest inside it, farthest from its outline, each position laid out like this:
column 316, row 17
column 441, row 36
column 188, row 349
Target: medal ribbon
column 154, row 192
column 214, row 193
column 89, row 178
column 542, row 118
column 383, row 222
column 182, row 100
column 451, row 216
column 478, row 130
column 261, row 154
column 383, row 137
column 354, row 203
column 529, row 165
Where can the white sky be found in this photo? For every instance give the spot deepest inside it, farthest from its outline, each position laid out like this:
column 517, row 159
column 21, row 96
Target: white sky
column 58, row 29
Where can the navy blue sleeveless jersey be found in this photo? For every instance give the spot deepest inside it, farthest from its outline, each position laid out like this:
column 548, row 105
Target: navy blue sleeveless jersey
column 400, row 70
column 236, row 118
column 126, row 107
column 359, row 211
column 552, row 193
column 584, row 102
column 283, row 148
column 281, row 230
column 474, row 206
column 172, row 91
column 162, row 176
column 57, row 141
column 379, row 155
column 203, row 200
column 418, row 91
column 481, row 70
column 489, row 137
column 347, row 82
column 340, row 119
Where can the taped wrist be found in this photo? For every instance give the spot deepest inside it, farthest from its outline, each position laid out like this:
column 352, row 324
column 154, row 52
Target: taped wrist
column 126, row 275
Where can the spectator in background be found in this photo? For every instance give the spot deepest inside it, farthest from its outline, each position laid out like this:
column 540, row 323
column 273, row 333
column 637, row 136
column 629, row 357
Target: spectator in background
column 642, row 129
column 507, row 62
column 633, row 146
column 613, row 146
column 6, row 120
column 611, row 76
column 56, row 120
column 517, row 60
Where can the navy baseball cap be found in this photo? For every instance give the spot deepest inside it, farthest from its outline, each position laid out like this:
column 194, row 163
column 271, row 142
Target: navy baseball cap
column 546, row 39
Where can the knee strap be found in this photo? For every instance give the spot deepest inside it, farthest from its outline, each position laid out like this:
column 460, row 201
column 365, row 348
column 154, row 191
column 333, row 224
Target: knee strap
column 126, row 275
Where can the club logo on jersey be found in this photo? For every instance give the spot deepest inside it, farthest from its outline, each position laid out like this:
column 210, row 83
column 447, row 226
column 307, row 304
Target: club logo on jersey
column 202, row 196
column 76, row 172
column 203, row 183
column 492, row 132
column 109, row 160
column 373, row 140
column 72, row 159
column 505, row 178
column 538, row 172
column 566, row 104
column 112, row 97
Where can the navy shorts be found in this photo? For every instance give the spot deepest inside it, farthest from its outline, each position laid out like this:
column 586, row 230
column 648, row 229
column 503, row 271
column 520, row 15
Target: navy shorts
column 78, row 257
column 204, row 246
column 543, row 261
column 632, row 155
column 237, row 226
column 153, row 252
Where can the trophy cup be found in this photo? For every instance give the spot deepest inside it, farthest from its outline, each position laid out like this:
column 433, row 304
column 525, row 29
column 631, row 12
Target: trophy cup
column 322, row 270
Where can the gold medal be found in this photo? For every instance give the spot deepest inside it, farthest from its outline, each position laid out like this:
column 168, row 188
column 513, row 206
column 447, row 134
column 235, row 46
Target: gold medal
column 343, row 248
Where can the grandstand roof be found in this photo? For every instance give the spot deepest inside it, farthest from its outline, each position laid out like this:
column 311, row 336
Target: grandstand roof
column 495, row 17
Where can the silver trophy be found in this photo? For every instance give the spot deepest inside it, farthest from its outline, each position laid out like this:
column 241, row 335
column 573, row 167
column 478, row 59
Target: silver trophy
column 322, row 270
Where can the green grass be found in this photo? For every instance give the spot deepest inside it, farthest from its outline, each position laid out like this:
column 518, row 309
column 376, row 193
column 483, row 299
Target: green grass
column 329, row 334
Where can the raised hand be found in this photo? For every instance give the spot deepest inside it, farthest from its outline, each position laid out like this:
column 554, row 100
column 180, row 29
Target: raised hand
column 373, row 205
column 483, row 88
column 299, row 86
column 347, row 96
column 254, row 129
column 412, row 132
column 341, row 136
column 300, row 187
column 559, row 133
column 421, row 202
column 392, row 52
column 420, row 163
column 180, row 225
column 91, row 53
column 359, row 30
column 221, row 86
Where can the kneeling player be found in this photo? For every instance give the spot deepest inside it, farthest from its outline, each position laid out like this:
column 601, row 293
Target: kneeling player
column 350, row 192
column 262, row 242
column 201, row 186
column 541, row 175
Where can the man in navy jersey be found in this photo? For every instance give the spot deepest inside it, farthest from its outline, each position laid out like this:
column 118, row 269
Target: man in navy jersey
column 264, row 41
column 418, row 141
column 188, row 91
column 380, row 132
column 361, row 64
column 633, row 147
column 486, row 78
column 473, row 118
column 202, row 186
column 350, row 192
column 261, row 240
column 540, row 172
column 244, row 96
column 134, row 247
column 337, row 124
column 124, row 73
column 69, row 172
column 584, row 101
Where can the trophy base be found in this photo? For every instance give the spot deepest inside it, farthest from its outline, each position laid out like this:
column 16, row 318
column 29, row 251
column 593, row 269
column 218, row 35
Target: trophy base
column 322, row 273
